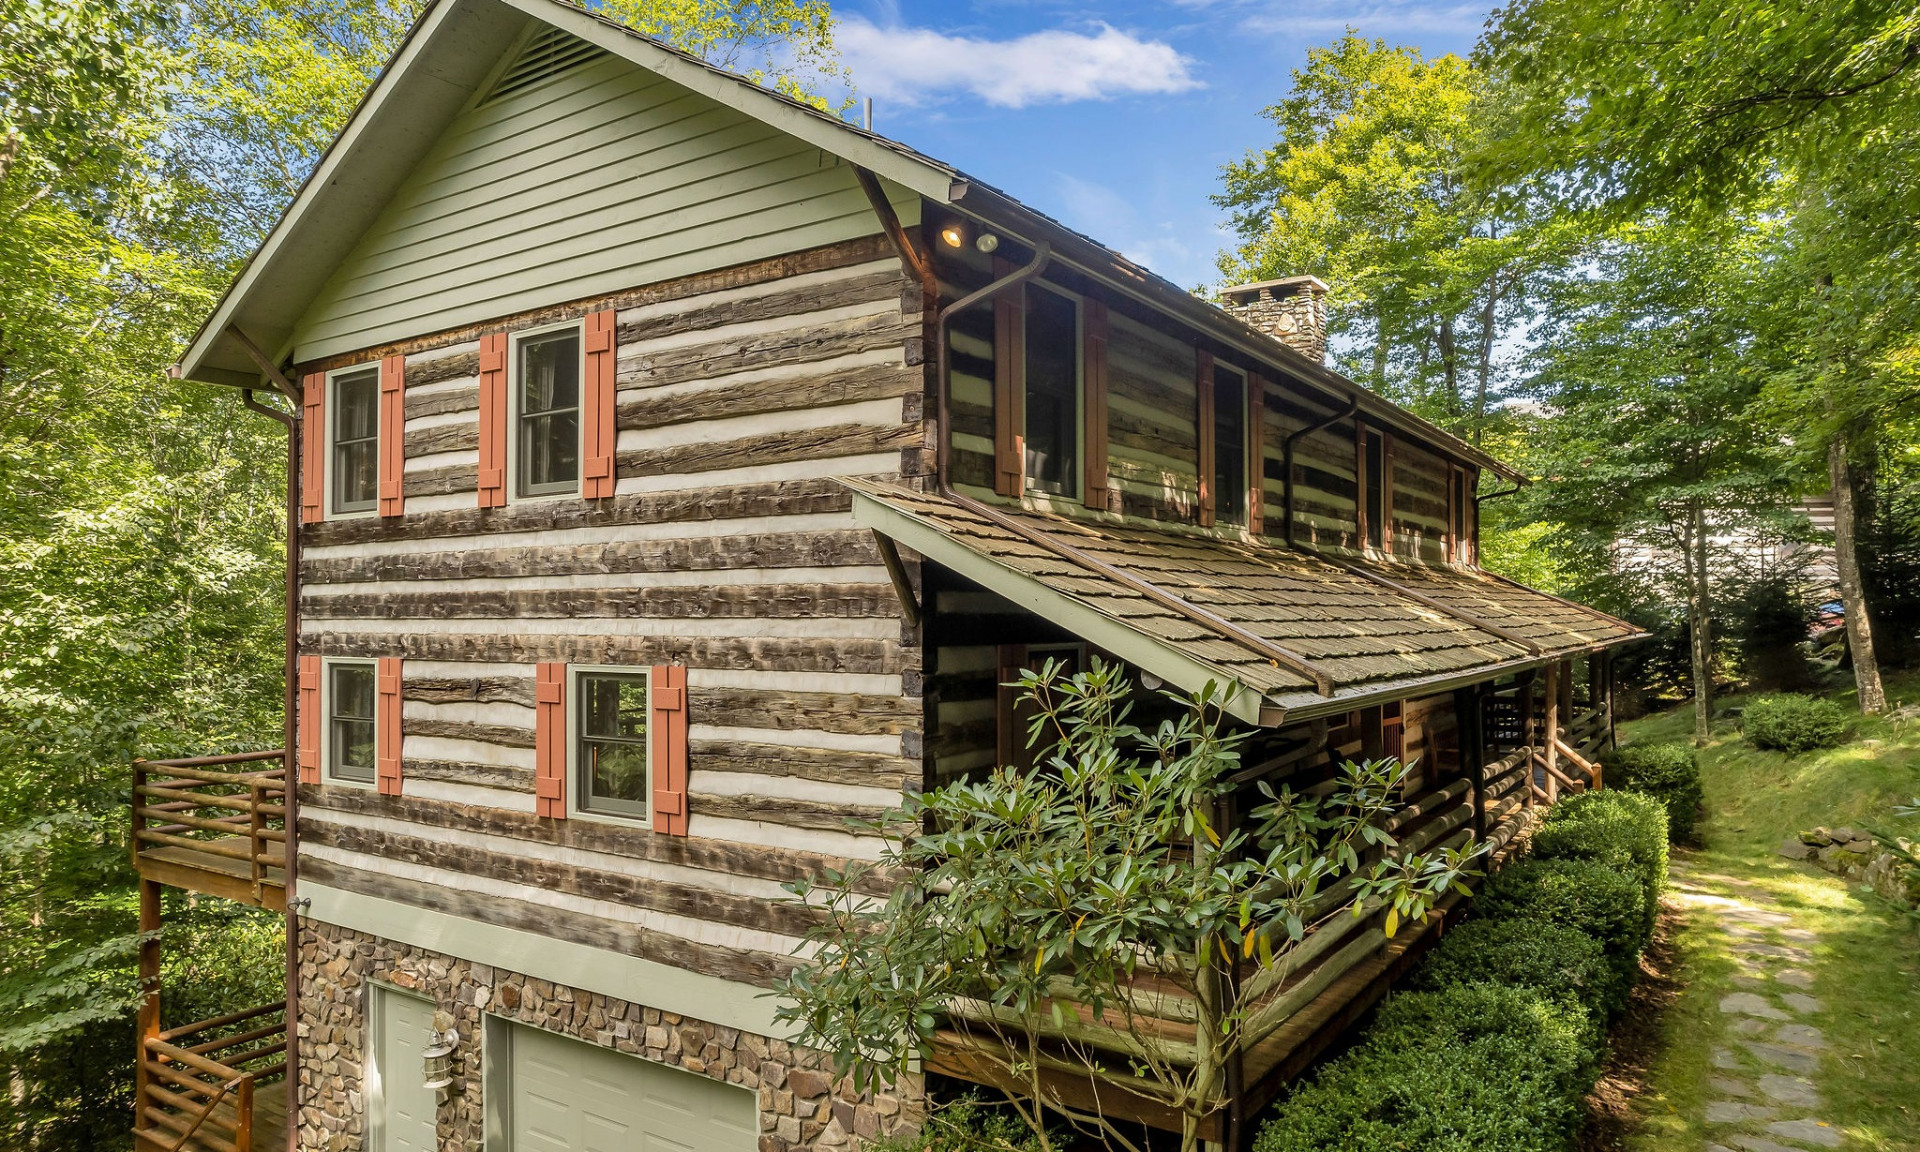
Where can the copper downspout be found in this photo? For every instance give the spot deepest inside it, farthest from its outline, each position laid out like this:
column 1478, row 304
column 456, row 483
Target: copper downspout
column 291, row 735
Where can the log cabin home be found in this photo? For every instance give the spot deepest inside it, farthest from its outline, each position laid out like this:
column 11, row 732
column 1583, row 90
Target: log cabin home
column 676, row 472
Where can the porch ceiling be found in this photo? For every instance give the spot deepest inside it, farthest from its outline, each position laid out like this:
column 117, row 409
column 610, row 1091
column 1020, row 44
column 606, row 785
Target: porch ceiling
column 1377, row 631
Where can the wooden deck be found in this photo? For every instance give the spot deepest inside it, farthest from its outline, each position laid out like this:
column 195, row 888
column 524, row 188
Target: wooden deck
column 215, row 1086
column 215, row 825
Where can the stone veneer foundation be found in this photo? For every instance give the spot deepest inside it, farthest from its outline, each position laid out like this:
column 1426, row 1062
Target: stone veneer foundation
column 802, row 1106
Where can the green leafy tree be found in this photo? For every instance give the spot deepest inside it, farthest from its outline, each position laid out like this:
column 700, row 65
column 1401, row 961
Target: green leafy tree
column 1810, row 110
column 1429, row 276
column 1104, row 879
column 1650, row 451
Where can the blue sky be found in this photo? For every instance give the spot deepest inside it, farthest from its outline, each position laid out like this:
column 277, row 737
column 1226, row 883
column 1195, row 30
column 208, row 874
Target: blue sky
column 1113, row 117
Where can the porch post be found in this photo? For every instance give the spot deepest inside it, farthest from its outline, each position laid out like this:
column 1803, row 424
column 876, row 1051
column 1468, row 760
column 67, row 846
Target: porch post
column 1467, row 710
column 147, row 1022
column 1528, row 735
column 1551, row 728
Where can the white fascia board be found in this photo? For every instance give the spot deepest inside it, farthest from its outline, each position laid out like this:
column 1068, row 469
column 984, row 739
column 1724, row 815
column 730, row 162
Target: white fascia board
column 748, row 98
column 1081, row 619
column 615, row 974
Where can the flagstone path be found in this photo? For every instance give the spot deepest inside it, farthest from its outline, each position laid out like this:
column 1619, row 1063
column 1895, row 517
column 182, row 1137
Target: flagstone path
column 1766, row 1055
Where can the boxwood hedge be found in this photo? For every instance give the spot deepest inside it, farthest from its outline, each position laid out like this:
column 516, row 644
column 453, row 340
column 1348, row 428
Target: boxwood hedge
column 1670, row 773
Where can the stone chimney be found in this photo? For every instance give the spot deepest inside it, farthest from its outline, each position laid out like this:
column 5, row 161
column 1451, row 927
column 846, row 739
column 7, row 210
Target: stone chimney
column 1292, row 310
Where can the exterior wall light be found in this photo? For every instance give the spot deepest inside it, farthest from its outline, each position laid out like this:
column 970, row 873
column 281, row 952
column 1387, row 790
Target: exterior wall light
column 437, row 1054
column 953, row 236
column 987, row 242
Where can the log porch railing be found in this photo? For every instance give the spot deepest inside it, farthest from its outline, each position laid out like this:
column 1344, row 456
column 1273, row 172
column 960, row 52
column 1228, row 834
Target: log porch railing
column 1291, row 1002
column 196, row 1084
column 214, row 825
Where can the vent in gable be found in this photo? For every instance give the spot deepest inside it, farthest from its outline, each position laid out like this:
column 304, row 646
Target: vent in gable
column 550, row 53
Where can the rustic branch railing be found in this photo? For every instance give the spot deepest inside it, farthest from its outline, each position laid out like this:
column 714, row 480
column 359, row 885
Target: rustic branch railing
column 1159, row 1016
column 188, row 1073
column 210, row 805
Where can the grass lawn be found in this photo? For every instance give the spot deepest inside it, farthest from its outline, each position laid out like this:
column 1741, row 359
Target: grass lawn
column 1866, row 963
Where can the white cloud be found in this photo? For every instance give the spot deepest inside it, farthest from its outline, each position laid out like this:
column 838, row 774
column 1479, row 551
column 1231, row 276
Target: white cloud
column 913, row 65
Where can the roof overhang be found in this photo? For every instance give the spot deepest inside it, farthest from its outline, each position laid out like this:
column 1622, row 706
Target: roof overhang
column 940, row 531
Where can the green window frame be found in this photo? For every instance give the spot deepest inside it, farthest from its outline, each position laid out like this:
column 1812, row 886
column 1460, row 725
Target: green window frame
column 353, row 431
column 352, row 720
column 612, row 775
column 549, row 372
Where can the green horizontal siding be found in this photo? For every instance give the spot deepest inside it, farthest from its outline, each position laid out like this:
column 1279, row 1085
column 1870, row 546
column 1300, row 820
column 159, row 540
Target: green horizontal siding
column 604, row 178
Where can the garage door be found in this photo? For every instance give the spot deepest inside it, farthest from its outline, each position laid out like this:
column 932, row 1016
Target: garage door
column 402, row 1104
column 583, row 1098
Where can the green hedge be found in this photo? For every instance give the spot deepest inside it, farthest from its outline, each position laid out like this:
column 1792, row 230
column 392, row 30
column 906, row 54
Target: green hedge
column 1670, row 773
column 1466, row 1069
column 1585, row 895
column 1553, row 960
column 1793, row 723
column 1623, row 830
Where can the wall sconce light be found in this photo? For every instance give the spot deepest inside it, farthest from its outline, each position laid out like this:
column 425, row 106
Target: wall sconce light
column 437, row 1053
column 953, row 235
column 987, row 242
column 1150, row 682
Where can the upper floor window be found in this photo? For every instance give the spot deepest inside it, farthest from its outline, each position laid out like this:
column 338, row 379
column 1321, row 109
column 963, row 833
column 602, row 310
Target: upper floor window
column 546, row 403
column 352, row 727
column 1053, row 392
column 1374, row 487
column 1229, row 445
column 353, row 429
column 610, row 742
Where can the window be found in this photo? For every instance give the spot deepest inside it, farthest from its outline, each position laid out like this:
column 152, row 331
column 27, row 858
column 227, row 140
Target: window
column 1458, row 542
column 1229, row 446
column 350, row 721
column 610, row 743
column 547, row 403
column 1376, row 489
column 1053, row 392
column 355, row 434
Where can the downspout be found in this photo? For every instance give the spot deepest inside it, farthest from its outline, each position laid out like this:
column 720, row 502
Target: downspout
column 291, row 737
column 1286, row 460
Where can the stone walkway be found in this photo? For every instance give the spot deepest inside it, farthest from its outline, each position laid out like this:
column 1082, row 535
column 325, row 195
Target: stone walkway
column 1767, row 1052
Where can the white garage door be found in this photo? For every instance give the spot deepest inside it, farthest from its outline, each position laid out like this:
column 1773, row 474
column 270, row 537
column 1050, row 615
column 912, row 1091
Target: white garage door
column 583, row 1098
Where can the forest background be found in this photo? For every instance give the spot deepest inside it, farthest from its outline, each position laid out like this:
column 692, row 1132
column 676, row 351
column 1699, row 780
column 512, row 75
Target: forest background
column 1681, row 305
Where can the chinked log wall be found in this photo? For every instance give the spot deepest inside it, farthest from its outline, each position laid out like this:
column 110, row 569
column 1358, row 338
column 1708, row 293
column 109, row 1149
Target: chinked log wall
column 1152, row 430
column 727, row 547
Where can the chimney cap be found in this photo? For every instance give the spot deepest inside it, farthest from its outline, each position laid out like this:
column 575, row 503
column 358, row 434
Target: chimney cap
column 1273, row 289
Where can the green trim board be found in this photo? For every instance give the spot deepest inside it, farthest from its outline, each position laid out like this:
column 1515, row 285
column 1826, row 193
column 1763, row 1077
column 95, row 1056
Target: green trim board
column 662, row 986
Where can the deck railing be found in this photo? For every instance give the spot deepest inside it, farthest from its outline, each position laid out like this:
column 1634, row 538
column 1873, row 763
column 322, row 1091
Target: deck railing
column 196, row 1083
column 215, row 806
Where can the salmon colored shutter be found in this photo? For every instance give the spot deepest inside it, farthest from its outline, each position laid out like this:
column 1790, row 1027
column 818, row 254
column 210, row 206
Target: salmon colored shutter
column 387, row 726
column 393, row 431
column 667, row 729
column 1094, row 403
column 1009, row 387
column 1203, row 384
column 1256, row 453
column 597, row 407
column 309, row 720
column 313, row 447
column 493, row 420
column 550, row 740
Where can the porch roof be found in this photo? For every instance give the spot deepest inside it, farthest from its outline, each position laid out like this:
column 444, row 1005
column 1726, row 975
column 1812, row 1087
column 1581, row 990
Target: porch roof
column 1290, row 634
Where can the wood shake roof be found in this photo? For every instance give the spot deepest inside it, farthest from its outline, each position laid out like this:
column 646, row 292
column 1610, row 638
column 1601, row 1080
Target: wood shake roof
column 1376, row 630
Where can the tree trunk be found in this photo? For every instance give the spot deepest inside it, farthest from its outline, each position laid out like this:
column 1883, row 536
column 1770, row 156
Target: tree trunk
column 1700, row 613
column 1488, row 312
column 1450, row 364
column 1853, row 598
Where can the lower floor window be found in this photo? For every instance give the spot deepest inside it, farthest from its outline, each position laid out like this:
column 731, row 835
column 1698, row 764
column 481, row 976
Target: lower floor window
column 350, row 722
column 610, row 753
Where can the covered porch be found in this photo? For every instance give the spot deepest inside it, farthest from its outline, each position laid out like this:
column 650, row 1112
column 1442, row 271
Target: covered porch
column 1496, row 693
